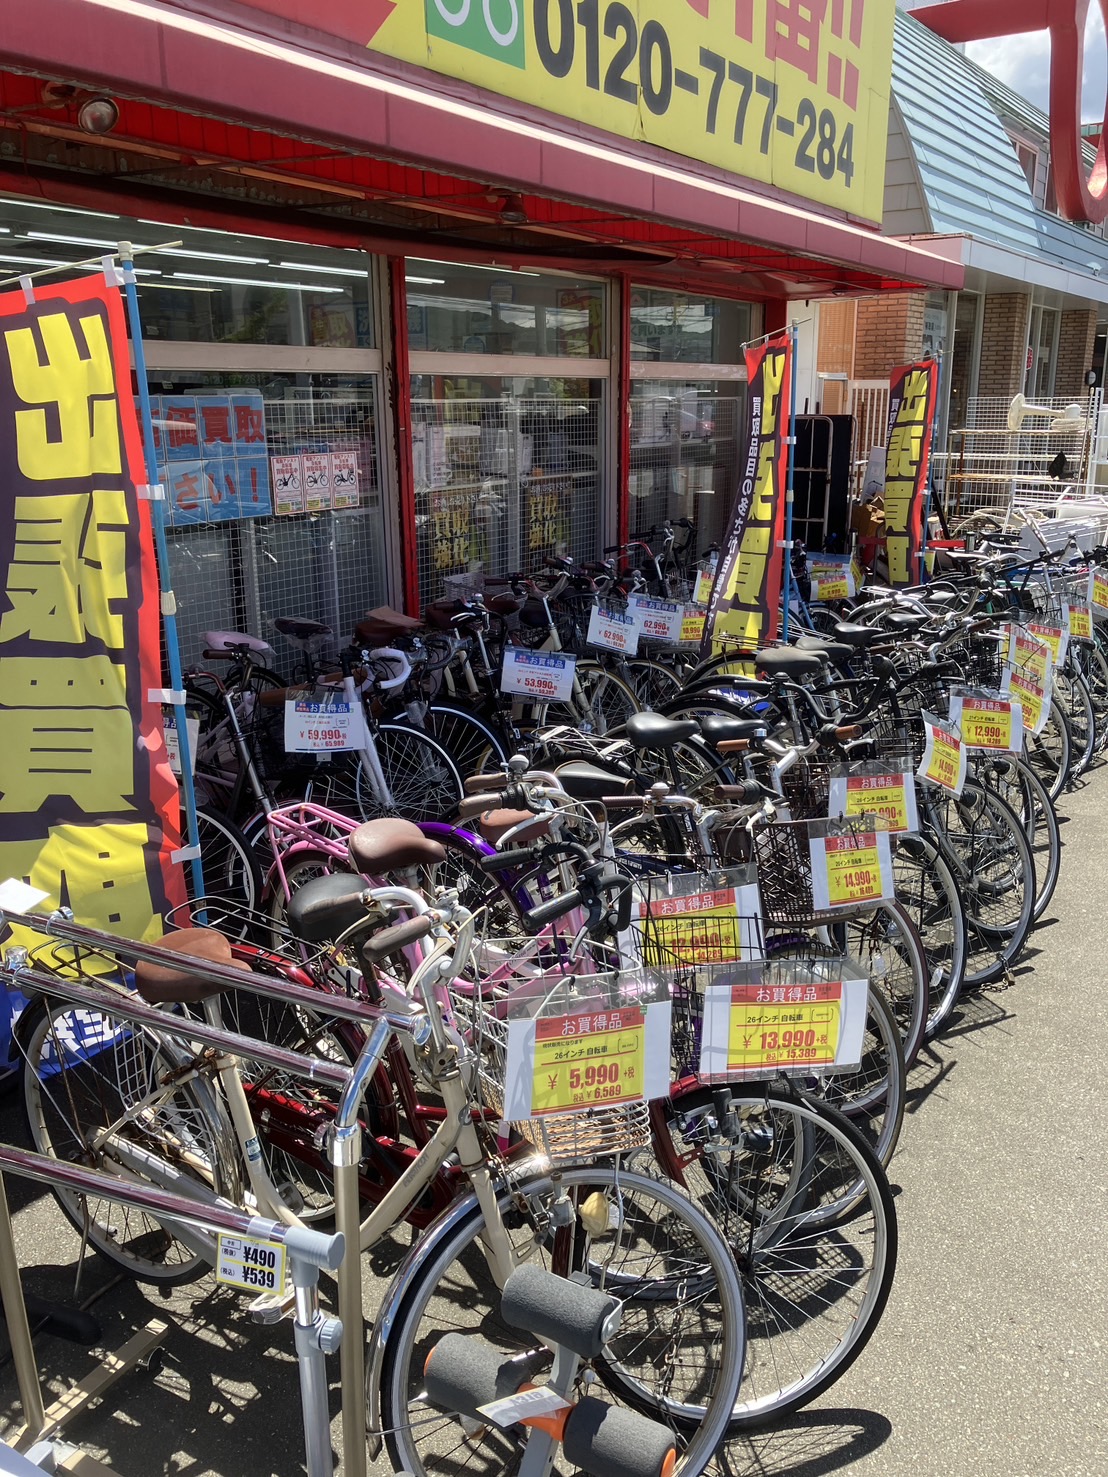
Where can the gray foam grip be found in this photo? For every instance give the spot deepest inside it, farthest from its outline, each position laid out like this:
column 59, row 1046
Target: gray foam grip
column 565, row 1312
column 609, row 1441
column 464, row 1372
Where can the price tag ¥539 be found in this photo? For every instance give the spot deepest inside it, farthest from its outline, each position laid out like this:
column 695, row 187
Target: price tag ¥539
column 251, row 1264
column 849, row 871
column 890, row 798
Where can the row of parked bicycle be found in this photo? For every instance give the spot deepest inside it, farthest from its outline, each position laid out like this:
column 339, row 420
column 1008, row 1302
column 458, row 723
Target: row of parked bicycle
column 626, row 993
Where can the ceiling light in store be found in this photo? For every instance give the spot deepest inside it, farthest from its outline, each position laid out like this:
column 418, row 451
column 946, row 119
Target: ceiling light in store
column 34, row 261
column 177, row 286
column 480, row 267
column 65, row 209
column 257, row 282
column 215, row 256
column 70, row 240
column 428, row 281
column 98, row 115
column 315, row 267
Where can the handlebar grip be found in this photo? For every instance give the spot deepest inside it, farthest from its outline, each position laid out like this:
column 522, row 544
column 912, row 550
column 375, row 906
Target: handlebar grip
column 397, row 936
column 556, row 907
column 477, row 805
column 623, row 802
column 749, row 793
column 504, row 861
column 480, row 784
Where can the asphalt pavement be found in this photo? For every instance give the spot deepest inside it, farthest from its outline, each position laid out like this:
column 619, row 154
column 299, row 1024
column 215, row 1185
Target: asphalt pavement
column 991, row 1359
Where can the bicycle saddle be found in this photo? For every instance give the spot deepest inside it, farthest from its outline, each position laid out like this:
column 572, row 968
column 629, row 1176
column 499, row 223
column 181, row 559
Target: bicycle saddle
column 380, row 626
column 158, row 984
column 327, row 906
column 787, row 661
column 228, row 640
column 837, row 652
column 589, row 782
column 653, row 731
column 300, row 630
column 719, row 728
column 389, row 844
column 905, row 622
column 859, row 636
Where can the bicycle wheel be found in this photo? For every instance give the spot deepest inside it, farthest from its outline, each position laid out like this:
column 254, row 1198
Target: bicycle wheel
column 654, row 683
column 231, row 872
column 677, row 1356
column 1017, row 783
column 926, row 886
column 422, row 779
column 1050, row 752
column 1077, row 704
column 92, row 1085
column 885, row 943
column 808, row 1211
column 472, row 744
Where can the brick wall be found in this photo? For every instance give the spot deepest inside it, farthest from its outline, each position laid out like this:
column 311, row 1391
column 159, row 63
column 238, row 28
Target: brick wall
column 1003, row 344
column 889, row 333
column 1076, row 333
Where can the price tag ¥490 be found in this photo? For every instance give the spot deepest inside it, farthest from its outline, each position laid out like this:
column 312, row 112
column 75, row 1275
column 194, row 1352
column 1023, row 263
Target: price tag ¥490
column 251, row 1264
column 849, row 871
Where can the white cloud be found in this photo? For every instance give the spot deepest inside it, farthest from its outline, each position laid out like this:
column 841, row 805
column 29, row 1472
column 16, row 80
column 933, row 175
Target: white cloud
column 1022, row 63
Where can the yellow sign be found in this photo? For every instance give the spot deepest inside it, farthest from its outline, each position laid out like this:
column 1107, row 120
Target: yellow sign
column 988, row 723
column 1026, row 688
column 854, row 872
column 1081, row 623
column 692, row 624
column 595, row 1059
column 801, row 1028
column 1098, row 592
column 1030, row 654
column 1052, row 636
column 889, row 798
column 944, row 759
column 792, row 93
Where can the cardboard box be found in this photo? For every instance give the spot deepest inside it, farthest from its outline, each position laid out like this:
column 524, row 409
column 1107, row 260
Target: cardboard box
column 866, row 520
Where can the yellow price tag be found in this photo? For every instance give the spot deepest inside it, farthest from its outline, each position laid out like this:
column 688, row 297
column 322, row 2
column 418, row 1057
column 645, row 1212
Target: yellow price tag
column 1029, row 654
column 593, row 1059
column 1053, row 636
column 1098, row 591
column 1031, row 696
column 986, row 724
column 774, row 1026
column 1081, row 623
column 692, row 625
column 833, row 589
column 853, row 869
column 884, row 796
column 705, row 579
column 944, row 764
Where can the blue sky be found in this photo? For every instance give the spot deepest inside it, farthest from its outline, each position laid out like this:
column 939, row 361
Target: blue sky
column 1021, row 62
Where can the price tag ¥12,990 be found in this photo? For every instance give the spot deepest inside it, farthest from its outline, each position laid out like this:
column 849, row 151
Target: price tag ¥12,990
column 849, row 871
column 543, row 676
column 988, row 722
column 760, row 1030
column 250, row 1263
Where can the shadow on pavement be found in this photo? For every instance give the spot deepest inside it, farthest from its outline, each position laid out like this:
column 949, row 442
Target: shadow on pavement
column 814, row 1442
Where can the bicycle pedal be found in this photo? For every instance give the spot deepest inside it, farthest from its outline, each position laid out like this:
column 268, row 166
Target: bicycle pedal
column 271, row 1307
column 291, row 1197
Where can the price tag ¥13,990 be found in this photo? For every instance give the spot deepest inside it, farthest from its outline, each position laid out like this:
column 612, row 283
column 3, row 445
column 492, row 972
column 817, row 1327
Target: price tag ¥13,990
column 889, row 798
column 251, row 1264
column 849, row 871
column 760, row 1030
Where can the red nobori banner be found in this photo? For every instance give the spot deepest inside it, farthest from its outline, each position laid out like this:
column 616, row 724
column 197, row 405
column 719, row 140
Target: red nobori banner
column 912, row 392
column 745, row 596
column 88, row 803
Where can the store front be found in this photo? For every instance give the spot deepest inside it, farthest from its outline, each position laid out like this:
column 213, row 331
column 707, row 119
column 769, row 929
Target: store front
column 407, row 334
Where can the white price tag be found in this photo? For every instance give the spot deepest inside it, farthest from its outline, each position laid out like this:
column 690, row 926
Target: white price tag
column 611, row 630
column 17, row 897
column 657, row 620
column 540, row 1400
column 543, row 676
column 250, row 1264
column 322, row 728
column 172, row 743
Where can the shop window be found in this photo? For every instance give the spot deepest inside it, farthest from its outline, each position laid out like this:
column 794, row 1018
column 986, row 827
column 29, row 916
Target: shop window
column 678, row 327
column 509, row 473
column 454, row 308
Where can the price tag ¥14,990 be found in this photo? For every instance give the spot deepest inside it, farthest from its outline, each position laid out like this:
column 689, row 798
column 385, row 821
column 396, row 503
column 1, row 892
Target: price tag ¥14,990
column 544, row 677
column 760, row 1030
column 850, row 871
column 944, row 756
column 251, row 1264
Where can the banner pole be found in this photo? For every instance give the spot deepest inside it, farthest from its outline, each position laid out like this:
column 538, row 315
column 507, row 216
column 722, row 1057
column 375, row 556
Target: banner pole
column 168, row 603
column 786, row 583
column 931, row 468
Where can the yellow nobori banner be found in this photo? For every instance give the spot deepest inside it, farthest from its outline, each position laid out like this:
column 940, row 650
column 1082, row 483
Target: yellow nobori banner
column 793, row 93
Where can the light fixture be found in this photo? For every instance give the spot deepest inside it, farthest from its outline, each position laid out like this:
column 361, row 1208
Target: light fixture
column 70, row 240
column 65, row 209
column 512, row 209
column 428, row 281
column 256, row 282
column 480, row 267
column 315, row 267
column 177, row 286
column 215, row 256
column 34, row 261
column 98, row 115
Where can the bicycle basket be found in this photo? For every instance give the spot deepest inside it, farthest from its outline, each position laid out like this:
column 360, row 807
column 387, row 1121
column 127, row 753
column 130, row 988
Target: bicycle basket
column 783, row 859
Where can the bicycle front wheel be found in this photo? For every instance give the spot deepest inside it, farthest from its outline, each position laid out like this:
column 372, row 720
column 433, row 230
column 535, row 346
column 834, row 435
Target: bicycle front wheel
column 421, row 778
column 677, row 1356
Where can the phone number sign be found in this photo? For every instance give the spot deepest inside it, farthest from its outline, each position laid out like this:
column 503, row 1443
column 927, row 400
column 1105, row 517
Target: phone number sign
column 794, row 93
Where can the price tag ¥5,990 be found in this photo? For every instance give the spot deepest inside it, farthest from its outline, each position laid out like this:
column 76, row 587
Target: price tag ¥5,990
column 612, row 630
column 544, row 677
column 322, row 728
column 987, row 722
column 249, row 1263
column 890, row 798
column 759, row 1030
column 944, row 756
column 590, row 1058
column 850, row 871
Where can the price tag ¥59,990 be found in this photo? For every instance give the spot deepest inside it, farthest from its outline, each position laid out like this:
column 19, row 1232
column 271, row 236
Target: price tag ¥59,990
column 987, row 722
column 542, row 676
column 944, row 756
column 890, row 798
column 850, row 871
column 322, row 728
column 249, row 1263
column 759, row 1030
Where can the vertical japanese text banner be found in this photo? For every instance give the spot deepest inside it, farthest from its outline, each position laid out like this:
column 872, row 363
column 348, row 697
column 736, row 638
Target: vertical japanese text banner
column 88, row 803
column 747, row 590
column 912, row 392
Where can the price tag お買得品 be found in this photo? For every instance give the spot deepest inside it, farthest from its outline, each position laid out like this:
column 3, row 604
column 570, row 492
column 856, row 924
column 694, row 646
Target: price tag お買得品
column 850, row 870
column 250, row 1264
column 692, row 625
column 944, row 756
column 762, row 1030
column 658, row 620
column 1098, row 593
column 172, row 743
column 1081, row 622
column 705, row 579
column 987, row 721
column 542, row 676
column 889, row 796
column 612, row 630
column 323, row 728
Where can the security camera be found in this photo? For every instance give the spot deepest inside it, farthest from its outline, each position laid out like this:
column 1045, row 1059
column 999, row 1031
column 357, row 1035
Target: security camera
column 1094, row 267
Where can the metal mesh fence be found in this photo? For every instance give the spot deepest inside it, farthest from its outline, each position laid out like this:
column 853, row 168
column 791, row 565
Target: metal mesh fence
column 273, row 509
column 502, row 485
column 684, row 457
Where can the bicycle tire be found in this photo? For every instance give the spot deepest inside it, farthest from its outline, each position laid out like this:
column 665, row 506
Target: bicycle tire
column 231, row 872
column 926, row 886
column 884, row 940
column 1050, row 752
column 473, row 744
column 810, row 1237
column 82, row 1071
column 1077, row 704
column 452, row 1288
column 423, row 780
column 1016, row 782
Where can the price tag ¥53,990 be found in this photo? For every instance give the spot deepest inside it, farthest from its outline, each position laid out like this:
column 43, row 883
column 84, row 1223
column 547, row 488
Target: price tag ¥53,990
column 542, row 676
column 890, row 798
column 849, row 871
column 759, row 1030
column 249, row 1263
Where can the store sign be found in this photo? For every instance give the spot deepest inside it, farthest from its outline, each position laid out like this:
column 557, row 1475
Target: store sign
column 912, row 392
column 88, row 802
column 795, row 95
column 745, row 596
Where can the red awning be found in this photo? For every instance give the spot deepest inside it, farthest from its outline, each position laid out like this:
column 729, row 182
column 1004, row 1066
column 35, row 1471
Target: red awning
column 581, row 185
